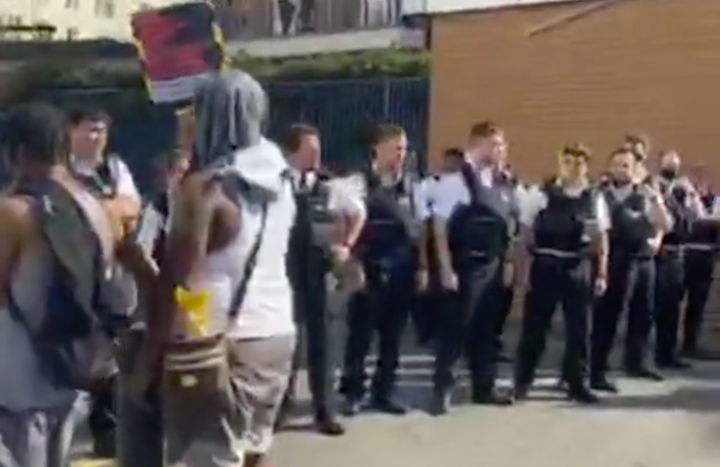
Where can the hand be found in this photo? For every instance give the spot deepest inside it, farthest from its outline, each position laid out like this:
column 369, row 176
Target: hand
column 341, row 253
column 600, row 285
column 421, row 279
column 655, row 243
column 448, row 278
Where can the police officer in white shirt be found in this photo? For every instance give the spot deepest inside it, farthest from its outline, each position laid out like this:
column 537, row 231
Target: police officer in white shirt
column 315, row 249
column 563, row 225
column 388, row 251
column 475, row 213
column 638, row 219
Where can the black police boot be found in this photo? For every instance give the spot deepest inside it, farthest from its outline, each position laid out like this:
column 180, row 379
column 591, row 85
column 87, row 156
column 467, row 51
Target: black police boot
column 352, row 406
column 387, row 404
column 491, row 396
column 582, row 395
column 672, row 363
column 601, row 383
column 440, row 402
column 643, row 372
column 328, row 424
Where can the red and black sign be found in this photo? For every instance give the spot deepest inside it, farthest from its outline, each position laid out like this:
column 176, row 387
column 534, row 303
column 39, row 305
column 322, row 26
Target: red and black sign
column 178, row 41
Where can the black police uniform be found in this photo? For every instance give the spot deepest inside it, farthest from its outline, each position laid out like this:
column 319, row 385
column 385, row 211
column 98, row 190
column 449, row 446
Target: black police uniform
column 387, row 249
column 103, row 417
column 309, row 263
column 559, row 276
column 670, row 281
column 700, row 255
column 631, row 288
column 478, row 238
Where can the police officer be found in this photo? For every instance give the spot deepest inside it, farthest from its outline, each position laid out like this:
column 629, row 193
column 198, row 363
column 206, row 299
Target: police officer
column 560, row 221
column 388, row 250
column 474, row 215
column 314, row 247
column 108, row 177
column 685, row 206
column 700, row 256
column 638, row 217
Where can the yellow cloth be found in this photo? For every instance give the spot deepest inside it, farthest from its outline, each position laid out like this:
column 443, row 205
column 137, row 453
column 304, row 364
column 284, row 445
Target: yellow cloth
column 196, row 307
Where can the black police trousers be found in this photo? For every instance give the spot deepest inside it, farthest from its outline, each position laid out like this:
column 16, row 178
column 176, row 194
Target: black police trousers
column 102, row 419
column 699, row 267
column 469, row 327
column 555, row 282
column 630, row 291
column 382, row 308
column 318, row 336
column 669, row 292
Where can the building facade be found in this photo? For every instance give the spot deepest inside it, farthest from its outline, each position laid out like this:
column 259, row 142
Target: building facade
column 591, row 71
column 71, row 19
column 301, row 27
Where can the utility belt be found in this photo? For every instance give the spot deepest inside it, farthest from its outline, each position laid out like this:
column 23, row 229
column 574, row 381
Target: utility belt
column 559, row 254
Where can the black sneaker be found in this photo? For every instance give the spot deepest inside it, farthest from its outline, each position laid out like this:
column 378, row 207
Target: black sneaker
column 520, row 392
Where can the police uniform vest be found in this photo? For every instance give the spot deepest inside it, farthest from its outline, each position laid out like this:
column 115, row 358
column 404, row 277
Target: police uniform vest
column 311, row 235
column 391, row 232
column 563, row 224
column 480, row 231
column 675, row 197
column 705, row 232
column 104, row 182
column 631, row 226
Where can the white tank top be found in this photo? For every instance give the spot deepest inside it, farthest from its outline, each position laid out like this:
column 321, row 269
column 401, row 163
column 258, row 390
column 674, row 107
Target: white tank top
column 267, row 307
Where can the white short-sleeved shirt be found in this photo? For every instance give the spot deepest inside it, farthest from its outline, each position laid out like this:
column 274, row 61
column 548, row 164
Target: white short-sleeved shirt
column 450, row 191
column 425, row 198
column 535, row 200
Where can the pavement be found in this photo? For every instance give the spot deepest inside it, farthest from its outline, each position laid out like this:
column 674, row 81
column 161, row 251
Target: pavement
column 673, row 423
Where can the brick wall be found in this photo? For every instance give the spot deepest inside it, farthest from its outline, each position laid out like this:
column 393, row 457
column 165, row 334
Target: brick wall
column 639, row 65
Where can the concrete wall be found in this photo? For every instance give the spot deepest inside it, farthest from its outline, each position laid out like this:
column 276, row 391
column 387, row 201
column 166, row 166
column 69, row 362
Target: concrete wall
column 635, row 65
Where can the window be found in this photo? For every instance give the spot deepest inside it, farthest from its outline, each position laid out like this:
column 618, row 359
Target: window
column 72, row 34
column 105, row 8
column 72, row 4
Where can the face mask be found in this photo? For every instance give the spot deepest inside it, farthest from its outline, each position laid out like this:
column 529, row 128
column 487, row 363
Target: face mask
column 669, row 172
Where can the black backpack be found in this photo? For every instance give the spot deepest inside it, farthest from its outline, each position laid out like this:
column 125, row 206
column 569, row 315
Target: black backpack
column 81, row 292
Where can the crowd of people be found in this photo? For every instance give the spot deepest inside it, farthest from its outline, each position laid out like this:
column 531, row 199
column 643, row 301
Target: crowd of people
column 185, row 315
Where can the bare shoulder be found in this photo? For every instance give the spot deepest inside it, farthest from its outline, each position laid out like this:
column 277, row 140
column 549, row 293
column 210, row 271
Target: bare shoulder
column 16, row 214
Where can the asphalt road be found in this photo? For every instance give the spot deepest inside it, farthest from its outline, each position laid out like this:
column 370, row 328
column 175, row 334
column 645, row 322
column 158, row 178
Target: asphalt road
column 673, row 423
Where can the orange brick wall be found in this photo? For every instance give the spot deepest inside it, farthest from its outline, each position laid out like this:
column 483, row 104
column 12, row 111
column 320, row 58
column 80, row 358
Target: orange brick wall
column 640, row 65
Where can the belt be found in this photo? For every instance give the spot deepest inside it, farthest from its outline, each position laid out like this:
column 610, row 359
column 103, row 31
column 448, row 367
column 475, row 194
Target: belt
column 556, row 253
column 699, row 247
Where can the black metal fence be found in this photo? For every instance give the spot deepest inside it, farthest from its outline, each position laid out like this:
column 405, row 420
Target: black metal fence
column 342, row 110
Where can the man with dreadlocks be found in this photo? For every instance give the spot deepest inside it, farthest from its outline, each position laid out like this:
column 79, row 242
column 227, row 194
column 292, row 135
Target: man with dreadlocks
column 222, row 322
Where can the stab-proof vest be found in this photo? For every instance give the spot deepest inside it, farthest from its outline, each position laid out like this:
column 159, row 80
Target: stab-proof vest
column 563, row 224
column 675, row 197
column 311, row 234
column 705, row 231
column 480, row 231
column 631, row 226
column 390, row 237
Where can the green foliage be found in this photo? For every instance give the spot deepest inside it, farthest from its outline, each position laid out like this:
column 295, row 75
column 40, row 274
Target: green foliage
column 41, row 76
